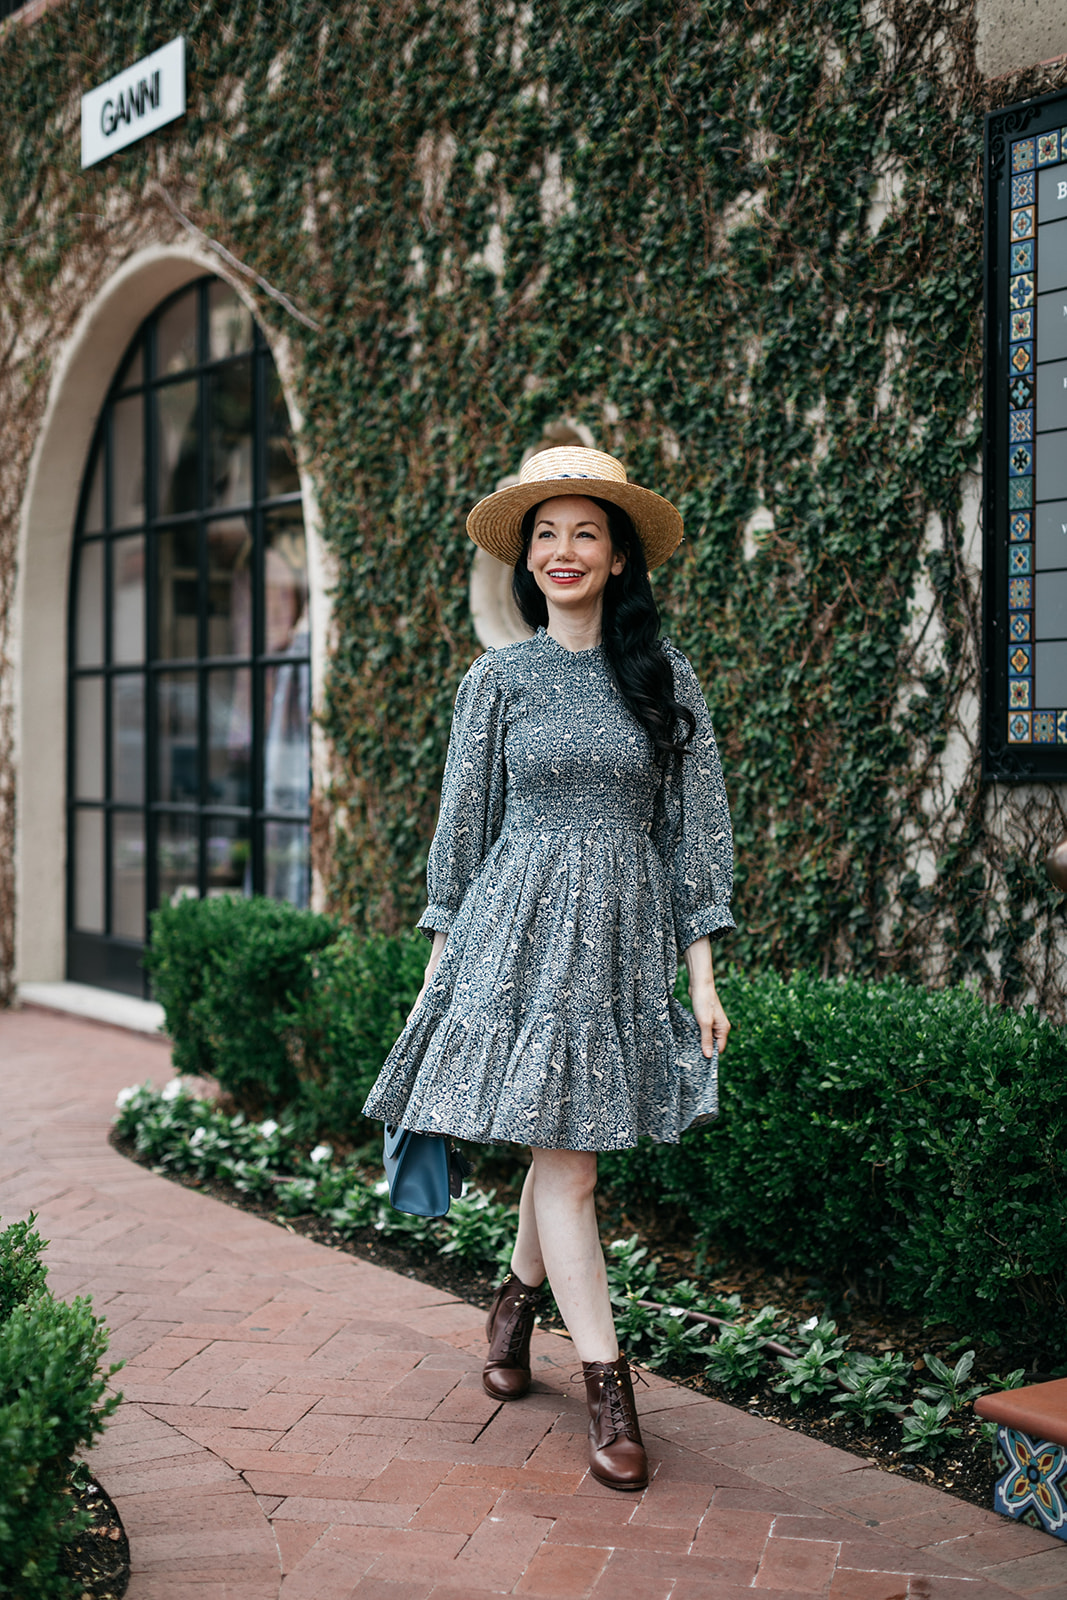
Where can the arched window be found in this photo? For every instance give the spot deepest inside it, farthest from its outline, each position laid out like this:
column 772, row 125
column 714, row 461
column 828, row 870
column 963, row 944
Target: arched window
column 188, row 762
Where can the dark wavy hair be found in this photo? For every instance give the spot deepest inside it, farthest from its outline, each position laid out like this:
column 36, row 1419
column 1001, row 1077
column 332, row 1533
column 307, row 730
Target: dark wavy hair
column 629, row 635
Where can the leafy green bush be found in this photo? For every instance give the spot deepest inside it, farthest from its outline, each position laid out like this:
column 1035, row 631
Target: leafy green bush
column 52, row 1405
column 885, row 1132
column 224, row 970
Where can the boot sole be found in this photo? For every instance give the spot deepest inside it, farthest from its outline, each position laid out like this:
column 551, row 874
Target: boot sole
column 613, row 1483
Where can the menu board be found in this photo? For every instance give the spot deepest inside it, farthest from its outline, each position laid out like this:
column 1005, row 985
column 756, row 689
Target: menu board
column 1025, row 647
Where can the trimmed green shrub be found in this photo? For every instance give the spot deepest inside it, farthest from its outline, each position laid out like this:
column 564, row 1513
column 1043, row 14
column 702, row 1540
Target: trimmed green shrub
column 52, row 1405
column 224, row 970
column 345, row 1023
column 886, row 1131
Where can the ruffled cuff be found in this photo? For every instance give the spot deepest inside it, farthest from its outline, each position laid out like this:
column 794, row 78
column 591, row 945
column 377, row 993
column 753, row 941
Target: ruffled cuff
column 712, row 920
column 435, row 919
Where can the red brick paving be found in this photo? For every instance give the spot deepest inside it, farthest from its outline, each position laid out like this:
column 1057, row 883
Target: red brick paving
column 300, row 1425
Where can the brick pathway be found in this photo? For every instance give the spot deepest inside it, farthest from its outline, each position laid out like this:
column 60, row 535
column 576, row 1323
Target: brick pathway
column 299, row 1425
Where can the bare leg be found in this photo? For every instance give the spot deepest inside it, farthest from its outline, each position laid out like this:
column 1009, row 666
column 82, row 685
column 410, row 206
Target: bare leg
column 561, row 1185
column 527, row 1262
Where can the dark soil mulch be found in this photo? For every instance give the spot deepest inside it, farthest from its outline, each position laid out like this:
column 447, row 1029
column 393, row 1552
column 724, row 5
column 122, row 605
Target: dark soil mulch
column 99, row 1559
column 964, row 1470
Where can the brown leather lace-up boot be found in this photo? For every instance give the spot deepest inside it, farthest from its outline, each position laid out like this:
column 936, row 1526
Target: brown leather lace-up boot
column 616, row 1454
column 506, row 1374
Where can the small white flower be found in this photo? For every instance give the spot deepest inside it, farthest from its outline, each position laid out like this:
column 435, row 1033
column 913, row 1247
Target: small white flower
column 675, row 1311
column 173, row 1089
column 381, row 1188
column 198, row 1137
column 124, row 1096
column 321, row 1152
column 269, row 1128
column 806, row 1327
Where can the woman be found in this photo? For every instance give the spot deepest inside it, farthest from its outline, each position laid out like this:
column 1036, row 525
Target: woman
column 583, row 842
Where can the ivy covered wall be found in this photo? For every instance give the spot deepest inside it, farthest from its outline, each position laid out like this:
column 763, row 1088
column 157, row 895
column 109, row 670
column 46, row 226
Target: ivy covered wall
column 742, row 246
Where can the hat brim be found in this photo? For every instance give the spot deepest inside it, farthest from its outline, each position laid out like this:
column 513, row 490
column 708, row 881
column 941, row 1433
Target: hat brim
column 495, row 524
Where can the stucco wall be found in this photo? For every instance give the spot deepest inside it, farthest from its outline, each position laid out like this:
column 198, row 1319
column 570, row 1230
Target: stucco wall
column 1011, row 35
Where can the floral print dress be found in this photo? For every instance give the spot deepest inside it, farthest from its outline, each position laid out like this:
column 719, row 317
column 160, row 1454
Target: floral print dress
column 569, row 873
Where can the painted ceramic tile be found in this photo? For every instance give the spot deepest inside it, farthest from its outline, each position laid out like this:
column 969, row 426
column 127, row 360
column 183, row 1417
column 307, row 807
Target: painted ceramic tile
column 1019, row 728
column 1018, row 693
column 1022, row 223
column 1020, row 659
column 1048, row 148
column 1020, row 594
column 1021, row 426
column 1019, row 626
column 1021, row 293
column 1022, row 256
column 1020, row 559
column 1022, row 357
column 1044, row 727
column 1061, row 727
column 1020, row 493
column 1022, row 155
column 1021, row 461
column 1022, row 189
column 1021, row 391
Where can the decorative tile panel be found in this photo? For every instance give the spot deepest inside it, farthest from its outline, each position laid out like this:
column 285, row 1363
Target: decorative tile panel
column 1022, row 155
column 1048, row 150
column 1021, row 295
column 1021, row 426
column 1022, row 257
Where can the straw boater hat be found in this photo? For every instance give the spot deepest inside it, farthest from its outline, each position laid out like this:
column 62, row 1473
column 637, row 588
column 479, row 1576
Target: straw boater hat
column 496, row 521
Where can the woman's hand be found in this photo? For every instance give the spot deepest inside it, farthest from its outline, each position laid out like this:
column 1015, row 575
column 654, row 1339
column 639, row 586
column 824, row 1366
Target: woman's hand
column 707, row 1007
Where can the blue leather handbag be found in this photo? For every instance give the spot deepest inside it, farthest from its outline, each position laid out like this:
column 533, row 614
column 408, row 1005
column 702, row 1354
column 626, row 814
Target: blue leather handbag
column 424, row 1172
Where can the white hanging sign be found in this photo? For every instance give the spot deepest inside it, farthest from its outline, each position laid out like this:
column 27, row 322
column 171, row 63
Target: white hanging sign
column 137, row 101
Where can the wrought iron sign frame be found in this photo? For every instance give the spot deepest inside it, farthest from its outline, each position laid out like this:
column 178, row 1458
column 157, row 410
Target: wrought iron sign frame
column 1025, row 444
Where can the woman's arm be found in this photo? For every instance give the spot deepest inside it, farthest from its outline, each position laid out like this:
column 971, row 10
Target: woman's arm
column 431, row 965
column 707, row 1007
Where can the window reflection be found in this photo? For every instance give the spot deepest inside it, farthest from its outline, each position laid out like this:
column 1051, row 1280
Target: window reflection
column 286, row 737
column 94, row 505
column 127, row 606
column 178, row 766
column 285, row 581
column 230, row 448
column 282, row 476
column 127, row 738
column 128, row 875
column 127, row 462
column 228, row 852
column 89, row 616
column 178, row 432
column 229, row 587
column 177, row 857
column 176, row 340
column 177, row 590
column 229, row 323
column 229, row 736
column 89, row 739
column 89, row 871
column 286, row 851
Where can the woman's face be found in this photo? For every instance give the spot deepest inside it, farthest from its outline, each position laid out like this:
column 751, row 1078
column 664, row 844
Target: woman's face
column 571, row 555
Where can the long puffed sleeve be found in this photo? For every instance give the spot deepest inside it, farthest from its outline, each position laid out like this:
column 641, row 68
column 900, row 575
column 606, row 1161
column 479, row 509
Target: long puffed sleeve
column 472, row 795
column 691, row 823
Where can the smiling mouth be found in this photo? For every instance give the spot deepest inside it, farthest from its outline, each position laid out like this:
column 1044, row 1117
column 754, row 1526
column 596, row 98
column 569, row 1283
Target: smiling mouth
column 565, row 575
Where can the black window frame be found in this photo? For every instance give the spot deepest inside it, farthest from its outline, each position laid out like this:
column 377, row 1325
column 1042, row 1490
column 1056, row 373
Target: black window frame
column 108, row 960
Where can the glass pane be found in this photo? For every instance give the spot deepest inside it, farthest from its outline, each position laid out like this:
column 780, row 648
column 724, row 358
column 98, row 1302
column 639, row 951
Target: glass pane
column 94, row 504
column 89, row 871
column 282, row 477
column 127, row 875
column 176, row 588
column 127, row 462
column 127, row 612
column 286, row 857
column 127, row 739
column 286, row 737
column 178, row 422
column 134, row 372
column 178, row 766
column 230, row 406
column 285, row 582
column 89, row 621
column 177, row 857
column 229, row 855
column 229, row 323
column 229, row 736
column 89, row 739
column 229, row 587
column 176, row 342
